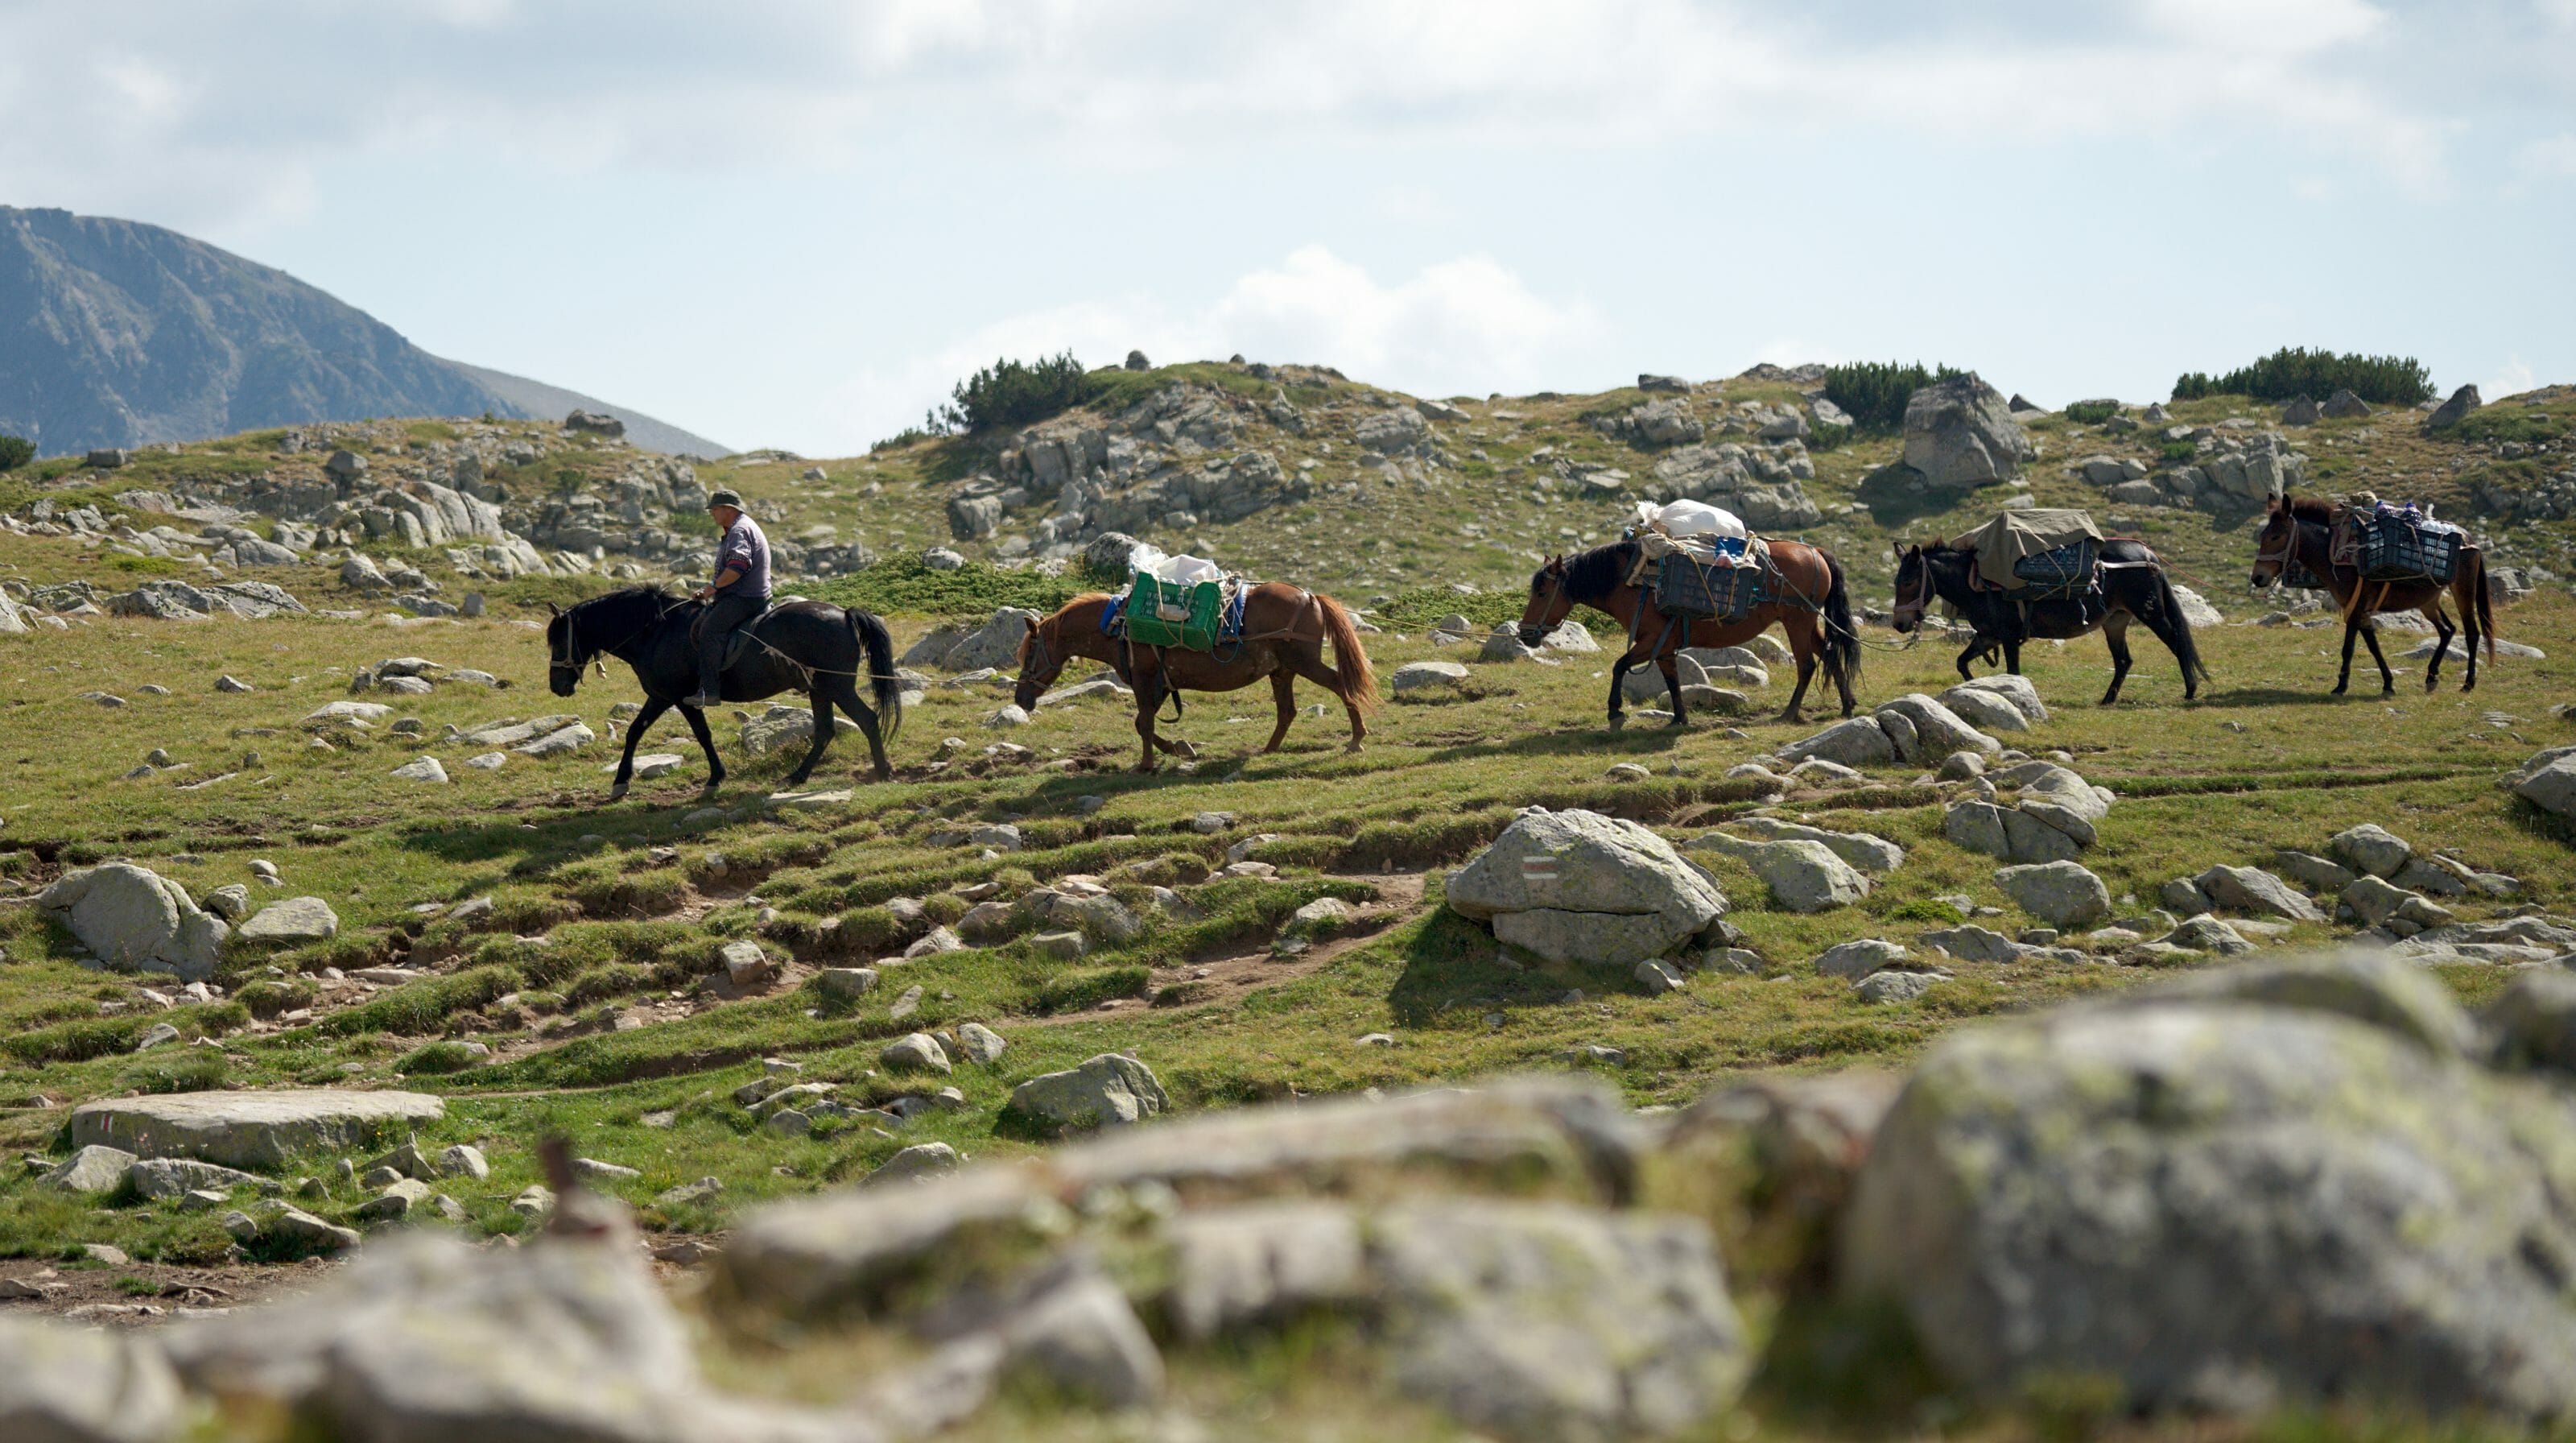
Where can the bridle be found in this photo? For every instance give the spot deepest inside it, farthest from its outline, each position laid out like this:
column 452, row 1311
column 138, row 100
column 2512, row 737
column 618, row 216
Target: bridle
column 1038, row 649
column 2289, row 551
column 1561, row 592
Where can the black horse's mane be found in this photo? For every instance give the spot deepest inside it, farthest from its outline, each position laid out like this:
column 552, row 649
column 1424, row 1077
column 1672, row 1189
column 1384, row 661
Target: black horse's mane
column 1593, row 573
column 2308, row 508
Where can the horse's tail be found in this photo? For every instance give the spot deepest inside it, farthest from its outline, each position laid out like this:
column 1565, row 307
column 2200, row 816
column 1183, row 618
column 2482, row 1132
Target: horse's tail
column 1359, row 683
column 2184, row 647
column 2486, row 607
column 883, row 684
column 1842, row 638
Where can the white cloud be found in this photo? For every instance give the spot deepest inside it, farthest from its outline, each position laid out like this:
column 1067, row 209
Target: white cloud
column 2510, row 379
column 1464, row 323
column 2277, row 26
column 2548, row 159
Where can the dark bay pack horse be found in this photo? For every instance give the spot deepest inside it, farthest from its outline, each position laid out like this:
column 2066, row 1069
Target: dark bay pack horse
column 1284, row 631
column 2300, row 531
column 805, row 646
column 1805, row 597
column 2133, row 587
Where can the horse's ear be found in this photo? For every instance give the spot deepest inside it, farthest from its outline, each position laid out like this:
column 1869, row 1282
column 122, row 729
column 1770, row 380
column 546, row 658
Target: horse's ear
column 1032, row 624
column 557, row 610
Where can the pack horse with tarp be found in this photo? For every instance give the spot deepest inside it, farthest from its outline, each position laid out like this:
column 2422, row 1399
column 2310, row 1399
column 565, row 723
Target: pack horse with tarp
column 2376, row 557
column 2046, row 575
column 1183, row 625
column 1688, row 575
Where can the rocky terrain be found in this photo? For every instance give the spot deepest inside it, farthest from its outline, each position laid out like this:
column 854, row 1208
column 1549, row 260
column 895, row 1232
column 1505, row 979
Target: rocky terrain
column 1987, row 1061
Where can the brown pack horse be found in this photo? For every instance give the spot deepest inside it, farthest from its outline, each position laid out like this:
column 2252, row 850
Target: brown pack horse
column 1284, row 631
column 1807, row 599
column 2301, row 531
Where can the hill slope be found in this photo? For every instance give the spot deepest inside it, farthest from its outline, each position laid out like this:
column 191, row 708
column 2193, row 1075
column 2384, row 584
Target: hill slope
column 536, row 398
column 118, row 333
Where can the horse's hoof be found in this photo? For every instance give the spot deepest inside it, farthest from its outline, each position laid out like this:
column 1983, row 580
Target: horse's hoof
column 617, row 793
column 1186, row 751
column 1618, row 722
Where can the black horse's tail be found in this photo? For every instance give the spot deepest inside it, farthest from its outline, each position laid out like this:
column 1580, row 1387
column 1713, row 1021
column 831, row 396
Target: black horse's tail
column 2184, row 647
column 1842, row 638
column 873, row 637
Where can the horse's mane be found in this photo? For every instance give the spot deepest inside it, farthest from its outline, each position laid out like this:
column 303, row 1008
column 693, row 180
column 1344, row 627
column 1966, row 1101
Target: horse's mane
column 2309, row 508
column 1596, row 571
column 651, row 591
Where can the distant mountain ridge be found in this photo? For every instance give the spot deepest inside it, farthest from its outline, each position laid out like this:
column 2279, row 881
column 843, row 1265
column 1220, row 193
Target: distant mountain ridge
column 119, row 333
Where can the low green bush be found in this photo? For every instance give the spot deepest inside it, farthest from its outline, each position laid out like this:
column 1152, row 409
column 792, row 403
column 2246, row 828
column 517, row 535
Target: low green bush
column 1874, row 393
column 2297, row 371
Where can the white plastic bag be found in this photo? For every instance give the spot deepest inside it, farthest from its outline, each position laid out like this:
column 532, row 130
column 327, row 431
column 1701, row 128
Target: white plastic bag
column 1698, row 518
column 1187, row 570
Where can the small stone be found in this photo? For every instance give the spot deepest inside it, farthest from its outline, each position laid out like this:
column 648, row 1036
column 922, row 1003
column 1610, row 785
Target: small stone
column 916, row 1052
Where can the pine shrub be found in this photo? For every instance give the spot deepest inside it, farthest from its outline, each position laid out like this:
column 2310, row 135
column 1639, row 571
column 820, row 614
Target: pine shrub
column 1874, row 393
column 1018, row 393
column 2297, row 371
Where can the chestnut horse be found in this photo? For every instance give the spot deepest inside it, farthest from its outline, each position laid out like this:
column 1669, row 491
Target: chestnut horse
column 2302, row 532
column 1284, row 631
column 1806, row 597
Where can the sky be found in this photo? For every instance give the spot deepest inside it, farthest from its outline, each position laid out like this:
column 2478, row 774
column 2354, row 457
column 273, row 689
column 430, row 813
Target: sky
column 797, row 224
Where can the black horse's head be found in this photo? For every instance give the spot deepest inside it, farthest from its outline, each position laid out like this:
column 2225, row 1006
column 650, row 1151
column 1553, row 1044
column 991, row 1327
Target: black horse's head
column 1914, row 588
column 564, row 658
column 1549, row 602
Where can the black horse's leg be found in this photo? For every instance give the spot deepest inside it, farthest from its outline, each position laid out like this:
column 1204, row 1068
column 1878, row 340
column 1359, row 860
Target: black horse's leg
column 845, row 694
column 1978, row 644
column 2351, row 634
column 654, row 706
column 1618, row 676
column 2387, row 678
column 823, row 729
column 1670, row 666
column 2168, row 628
column 706, row 743
column 2115, row 634
column 2442, row 634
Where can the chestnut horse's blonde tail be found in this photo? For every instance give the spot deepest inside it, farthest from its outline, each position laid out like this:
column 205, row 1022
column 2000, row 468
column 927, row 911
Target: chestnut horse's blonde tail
column 1359, row 682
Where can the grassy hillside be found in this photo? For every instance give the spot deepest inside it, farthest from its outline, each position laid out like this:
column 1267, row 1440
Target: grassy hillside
column 593, row 985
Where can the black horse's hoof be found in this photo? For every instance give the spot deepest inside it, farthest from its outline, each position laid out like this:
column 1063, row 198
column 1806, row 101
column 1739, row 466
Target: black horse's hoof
column 617, row 793
column 1618, row 722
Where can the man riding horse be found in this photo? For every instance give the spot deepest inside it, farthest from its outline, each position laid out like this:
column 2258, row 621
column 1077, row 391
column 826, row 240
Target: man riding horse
column 739, row 593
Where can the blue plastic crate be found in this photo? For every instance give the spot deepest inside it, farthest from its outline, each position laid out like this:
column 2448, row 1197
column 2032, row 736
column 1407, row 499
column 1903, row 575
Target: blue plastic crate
column 2394, row 547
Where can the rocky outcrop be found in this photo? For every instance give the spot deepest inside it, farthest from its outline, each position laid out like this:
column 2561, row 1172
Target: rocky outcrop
column 2455, row 410
column 1959, row 435
column 134, row 918
column 1576, row 886
column 249, row 1129
column 2276, row 1186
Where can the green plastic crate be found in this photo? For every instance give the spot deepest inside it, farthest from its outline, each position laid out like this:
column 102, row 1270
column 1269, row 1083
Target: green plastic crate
column 1146, row 625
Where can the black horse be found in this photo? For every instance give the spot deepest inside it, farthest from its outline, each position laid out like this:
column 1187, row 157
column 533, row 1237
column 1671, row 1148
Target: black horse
column 2131, row 585
column 805, row 646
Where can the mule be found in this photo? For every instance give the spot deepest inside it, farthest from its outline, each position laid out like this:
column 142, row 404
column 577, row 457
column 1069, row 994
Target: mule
column 2131, row 586
column 1284, row 631
column 1806, row 598
column 805, row 646
column 2301, row 531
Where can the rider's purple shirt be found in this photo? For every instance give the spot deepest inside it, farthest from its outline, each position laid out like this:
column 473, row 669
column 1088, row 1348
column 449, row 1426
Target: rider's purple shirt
column 745, row 549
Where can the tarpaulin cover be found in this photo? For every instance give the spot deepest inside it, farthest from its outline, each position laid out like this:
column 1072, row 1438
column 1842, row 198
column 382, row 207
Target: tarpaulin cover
column 2013, row 535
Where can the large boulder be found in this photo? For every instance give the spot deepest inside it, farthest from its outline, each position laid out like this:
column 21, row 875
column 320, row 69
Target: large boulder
column 1861, row 849
column 2063, row 894
column 297, row 919
column 1803, row 876
column 249, row 1129
column 1960, row 434
column 995, row 644
column 132, row 917
column 2011, row 833
column 2455, row 410
column 2547, row 781
column 2370, row 849
column 1109, row 1090
column 1576, row 886
column 1936, row 730
column 1852, row 742
column 2251, row 889
column 62, row 1384
column 2267, row 1186
column 2017, row 690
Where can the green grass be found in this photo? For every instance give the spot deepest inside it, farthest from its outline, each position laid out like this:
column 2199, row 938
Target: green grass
column 596, row 983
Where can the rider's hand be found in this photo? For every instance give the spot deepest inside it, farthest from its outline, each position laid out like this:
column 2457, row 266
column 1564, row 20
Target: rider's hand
column 706, row 593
